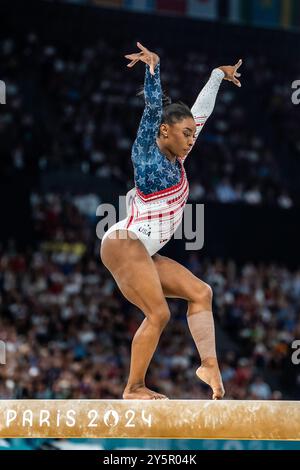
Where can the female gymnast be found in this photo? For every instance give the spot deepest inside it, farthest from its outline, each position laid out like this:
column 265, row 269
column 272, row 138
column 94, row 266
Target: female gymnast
column 129, row 248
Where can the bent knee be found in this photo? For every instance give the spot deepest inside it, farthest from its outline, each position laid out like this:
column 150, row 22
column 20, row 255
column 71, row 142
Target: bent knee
column 202, row 295
column 159, row 317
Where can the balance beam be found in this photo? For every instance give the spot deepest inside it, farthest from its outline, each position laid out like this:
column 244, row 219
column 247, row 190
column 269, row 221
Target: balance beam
column 166, row 419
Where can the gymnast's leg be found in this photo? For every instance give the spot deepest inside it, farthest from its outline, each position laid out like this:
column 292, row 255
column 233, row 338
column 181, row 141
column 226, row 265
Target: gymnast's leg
column 134, row 271
column 178, row 282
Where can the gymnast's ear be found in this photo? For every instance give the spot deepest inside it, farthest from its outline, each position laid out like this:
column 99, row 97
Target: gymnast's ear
column 163, row 130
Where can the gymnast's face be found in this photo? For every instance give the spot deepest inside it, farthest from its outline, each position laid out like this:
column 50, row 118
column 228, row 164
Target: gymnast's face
column 179, row 137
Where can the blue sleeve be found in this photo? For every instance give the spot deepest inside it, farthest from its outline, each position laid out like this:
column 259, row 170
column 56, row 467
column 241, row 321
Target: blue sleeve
column 151, row 119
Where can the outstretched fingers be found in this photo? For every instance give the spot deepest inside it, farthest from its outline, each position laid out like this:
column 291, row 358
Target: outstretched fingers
column 133, row 62
column 149, row 57
column 238, row 64
column 145, row 56
column 236, row 82
column 144, row 49
column 134, row 58
column 236, row 74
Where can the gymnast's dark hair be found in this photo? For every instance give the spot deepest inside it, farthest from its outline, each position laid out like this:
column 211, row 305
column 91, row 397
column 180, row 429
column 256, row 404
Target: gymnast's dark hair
column 175, row 112
column 172, row 112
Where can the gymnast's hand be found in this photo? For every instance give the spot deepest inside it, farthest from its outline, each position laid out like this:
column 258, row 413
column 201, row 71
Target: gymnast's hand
column 231, row 73
column 145, row 55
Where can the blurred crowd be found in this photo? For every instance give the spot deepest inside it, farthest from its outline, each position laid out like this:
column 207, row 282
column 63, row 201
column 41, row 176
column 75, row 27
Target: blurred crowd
column 68, row 330
column 74, row 107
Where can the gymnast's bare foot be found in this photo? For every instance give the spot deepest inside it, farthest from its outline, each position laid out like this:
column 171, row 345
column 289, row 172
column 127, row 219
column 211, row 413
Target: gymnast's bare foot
column 209, row 372
column 140, row 392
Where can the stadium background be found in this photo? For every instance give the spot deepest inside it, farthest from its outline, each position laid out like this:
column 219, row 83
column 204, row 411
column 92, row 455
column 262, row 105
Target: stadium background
column 65, row 135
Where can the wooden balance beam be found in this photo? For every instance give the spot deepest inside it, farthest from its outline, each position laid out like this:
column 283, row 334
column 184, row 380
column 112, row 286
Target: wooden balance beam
column 166, row 419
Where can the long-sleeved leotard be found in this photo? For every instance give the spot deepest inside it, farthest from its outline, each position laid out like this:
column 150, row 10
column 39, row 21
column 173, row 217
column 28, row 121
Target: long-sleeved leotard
column 152, row 170
column 155, row 207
